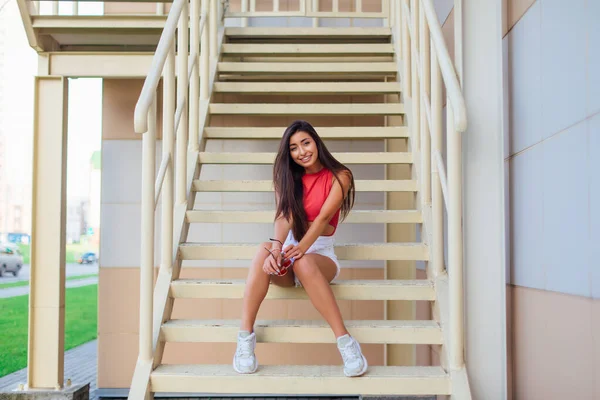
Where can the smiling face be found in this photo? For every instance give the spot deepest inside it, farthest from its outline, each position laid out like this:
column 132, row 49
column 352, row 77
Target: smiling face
column 304, row 152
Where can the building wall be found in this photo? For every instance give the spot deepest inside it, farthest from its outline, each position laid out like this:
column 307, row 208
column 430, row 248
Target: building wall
column 552, row 59
column 120, row 241
column 553, row 148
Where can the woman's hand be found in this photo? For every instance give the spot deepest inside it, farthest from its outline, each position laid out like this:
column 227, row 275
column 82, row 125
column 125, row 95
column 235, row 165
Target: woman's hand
column 296, row 252
column 273, row 262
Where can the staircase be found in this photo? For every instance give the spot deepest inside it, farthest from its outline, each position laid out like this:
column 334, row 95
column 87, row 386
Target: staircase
column 347, row 82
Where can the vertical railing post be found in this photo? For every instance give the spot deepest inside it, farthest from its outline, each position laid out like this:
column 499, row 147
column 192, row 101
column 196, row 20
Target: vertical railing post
column 147, row 232
column 406, row 50
column 55, row 7
column 76, row 8
column 214, row 29
column 182, row 87
column 416, row 98
column 195, row 81
column 425, row 89
column 168, row 145
column 455, row 250
column 437, row 200
column 398, row 23
column 244, row 9
column 160, row 8
column 315, row 8
column 387, row 7
column 205, row 51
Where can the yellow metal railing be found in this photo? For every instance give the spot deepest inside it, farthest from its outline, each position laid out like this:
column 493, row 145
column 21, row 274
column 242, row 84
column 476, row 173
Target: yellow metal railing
column 181, row 115
column 427, row 69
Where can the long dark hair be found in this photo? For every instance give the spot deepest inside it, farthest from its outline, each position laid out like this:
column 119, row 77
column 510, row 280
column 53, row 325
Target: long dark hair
column 287, row 179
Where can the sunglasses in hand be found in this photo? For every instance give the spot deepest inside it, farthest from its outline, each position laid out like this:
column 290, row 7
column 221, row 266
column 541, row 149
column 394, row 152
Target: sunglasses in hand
column 286, row 263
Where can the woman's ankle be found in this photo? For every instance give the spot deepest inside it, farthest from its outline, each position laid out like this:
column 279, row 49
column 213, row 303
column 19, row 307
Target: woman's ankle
column 341, row 332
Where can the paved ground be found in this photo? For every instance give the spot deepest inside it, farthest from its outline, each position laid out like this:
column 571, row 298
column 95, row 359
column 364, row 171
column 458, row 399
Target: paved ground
column 80, row 367
column 72, row 270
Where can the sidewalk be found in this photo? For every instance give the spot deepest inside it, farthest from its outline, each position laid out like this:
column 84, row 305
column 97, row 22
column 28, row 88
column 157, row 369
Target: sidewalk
column 81, row 366
column 23, row 290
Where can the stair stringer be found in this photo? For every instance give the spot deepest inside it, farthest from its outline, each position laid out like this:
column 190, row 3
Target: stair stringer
column 162, row 301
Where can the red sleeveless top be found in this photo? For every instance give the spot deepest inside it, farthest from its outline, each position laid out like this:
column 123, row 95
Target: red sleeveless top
column 316, row 189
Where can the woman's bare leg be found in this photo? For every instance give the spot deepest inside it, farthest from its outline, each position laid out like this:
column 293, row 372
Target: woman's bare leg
column 315, row 272
column 257, row 286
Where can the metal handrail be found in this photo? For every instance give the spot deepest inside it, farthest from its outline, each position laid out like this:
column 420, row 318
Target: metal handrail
column 191, row 74
column 453, row 90
column 427, row 68
column 140, row 116
column 160, row 177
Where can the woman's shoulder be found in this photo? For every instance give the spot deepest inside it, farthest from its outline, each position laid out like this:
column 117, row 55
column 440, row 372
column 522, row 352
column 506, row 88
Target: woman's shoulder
column 343, row 174
column 344, row 177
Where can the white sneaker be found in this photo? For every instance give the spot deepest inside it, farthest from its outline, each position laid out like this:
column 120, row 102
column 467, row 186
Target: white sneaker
column 355, row 364
column 244, row 360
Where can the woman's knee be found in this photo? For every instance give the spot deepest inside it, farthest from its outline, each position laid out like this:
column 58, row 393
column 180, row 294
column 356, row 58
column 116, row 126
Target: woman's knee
column 261, row 254
column 305, row 268
column 263, row 248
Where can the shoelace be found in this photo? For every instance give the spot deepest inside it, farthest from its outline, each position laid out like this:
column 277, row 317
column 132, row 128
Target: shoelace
column 245, row 348
column 350, row 352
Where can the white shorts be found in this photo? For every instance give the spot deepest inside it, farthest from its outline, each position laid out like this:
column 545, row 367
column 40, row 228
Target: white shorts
column 323, row 246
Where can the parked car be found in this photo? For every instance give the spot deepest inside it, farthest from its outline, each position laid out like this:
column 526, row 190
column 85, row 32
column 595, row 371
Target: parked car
column 87, row 258
column 11, row 259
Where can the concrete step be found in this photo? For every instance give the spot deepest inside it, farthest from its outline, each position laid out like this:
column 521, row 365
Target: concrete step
column 331, row 133
column 267, row 186
column 373, row 251
column 288, row 331
column 269, row 158
column 343, row 290
column 355, row 216
column 300, row 379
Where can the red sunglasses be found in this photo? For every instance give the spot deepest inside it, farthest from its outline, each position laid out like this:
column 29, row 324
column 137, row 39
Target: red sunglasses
column 286, row 263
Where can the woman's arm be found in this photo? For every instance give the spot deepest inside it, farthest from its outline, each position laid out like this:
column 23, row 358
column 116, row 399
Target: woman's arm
column 282, row 227
column 336, row 196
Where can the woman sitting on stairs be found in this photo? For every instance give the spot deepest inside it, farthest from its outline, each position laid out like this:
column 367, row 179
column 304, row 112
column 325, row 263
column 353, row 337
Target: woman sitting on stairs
column 311, row 188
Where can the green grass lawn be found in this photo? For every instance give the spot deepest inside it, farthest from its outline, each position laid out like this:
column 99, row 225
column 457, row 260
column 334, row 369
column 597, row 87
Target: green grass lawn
column 26, row 283
column 73, row 251
column 81, row 316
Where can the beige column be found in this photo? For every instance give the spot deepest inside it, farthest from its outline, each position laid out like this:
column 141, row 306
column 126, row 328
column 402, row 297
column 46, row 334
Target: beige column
column 47, row 297
column 484, row 228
